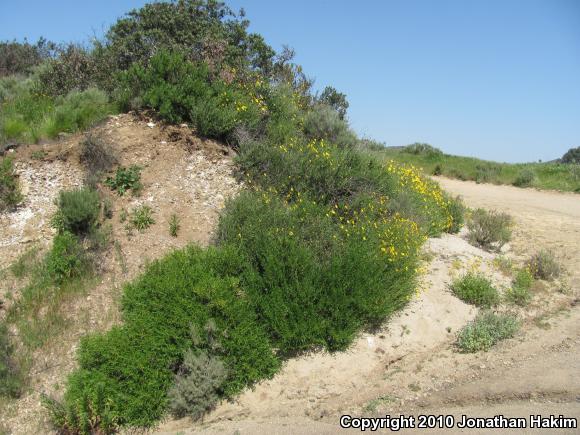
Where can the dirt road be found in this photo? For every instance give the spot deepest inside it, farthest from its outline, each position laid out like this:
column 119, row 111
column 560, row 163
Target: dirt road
column 410, row 367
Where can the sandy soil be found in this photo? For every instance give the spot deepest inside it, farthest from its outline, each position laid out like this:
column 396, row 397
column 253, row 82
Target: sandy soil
column 411, row 367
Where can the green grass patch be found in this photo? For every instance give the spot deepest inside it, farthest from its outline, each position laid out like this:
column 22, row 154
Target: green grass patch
column 555, row 176
column 27, row 115
column 485, row 331
column 475, row 289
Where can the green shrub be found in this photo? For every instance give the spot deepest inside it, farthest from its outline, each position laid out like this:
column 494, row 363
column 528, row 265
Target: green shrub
column 78, row 211
column 10, row 195
column 142, row 218
column 11, row 380
column 181, row 91
column 205, row 30
column 130, row 369
column 475, row 289
column 489, row 229
column 324, row 122
column 485, row 331
column 66, row 259
column 336, row 100
column 78, row 110
column 197, row 385
column 91, row 414
column 525, row 178
column 571, row 156
column 324, row 279
column 544, row 265
column 126, row 179
column 22, row 57
column 519, row 293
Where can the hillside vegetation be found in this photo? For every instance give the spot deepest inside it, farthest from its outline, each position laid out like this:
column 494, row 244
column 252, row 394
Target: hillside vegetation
column 564, row 175
column 322, row 243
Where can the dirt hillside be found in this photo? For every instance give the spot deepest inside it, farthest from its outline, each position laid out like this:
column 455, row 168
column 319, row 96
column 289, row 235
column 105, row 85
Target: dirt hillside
column 408, row 366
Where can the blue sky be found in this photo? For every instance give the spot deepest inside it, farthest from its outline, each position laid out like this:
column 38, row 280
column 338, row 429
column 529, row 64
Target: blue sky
column 493, row 79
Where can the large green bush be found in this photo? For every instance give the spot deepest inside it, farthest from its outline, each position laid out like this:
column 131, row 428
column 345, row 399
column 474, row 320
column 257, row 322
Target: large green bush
column 182, row 91
column 132, row 367
column 315, row 282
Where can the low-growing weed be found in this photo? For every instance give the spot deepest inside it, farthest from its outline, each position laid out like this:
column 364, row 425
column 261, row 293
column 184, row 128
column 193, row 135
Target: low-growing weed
column 142, row 218
column 11, row 379
column 475, row 289
column 486, row 330
column 26, row 263
column 489, row 229
column 126, row 179
column 519, row 293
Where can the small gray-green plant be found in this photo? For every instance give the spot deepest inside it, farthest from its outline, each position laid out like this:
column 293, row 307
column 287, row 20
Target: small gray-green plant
column 489, row 229
column 486, row 330
column 174, row 225
column 142, row 218
column 543, row 265
column 197, row 385
column 476, row 289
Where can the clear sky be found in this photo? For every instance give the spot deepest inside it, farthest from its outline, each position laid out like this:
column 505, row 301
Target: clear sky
column 493, row 79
